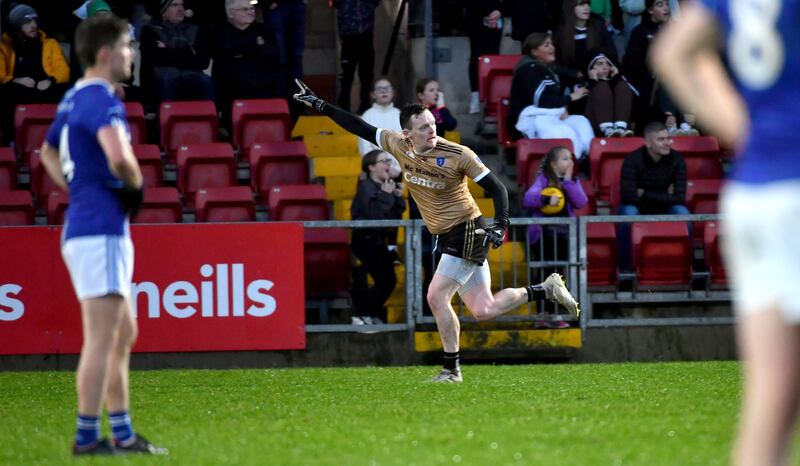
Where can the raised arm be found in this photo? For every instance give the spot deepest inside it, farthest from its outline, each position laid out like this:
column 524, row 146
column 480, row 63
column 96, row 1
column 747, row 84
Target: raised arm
column 351, row 123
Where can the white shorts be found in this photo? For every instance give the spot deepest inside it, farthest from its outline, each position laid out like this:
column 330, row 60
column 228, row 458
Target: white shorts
column 761, row 241
column 99, row 265
column 467, row 273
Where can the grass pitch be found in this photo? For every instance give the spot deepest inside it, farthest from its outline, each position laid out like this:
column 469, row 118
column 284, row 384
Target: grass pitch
column 579, row 414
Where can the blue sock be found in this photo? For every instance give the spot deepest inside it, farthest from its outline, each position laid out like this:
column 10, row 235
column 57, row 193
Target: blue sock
column 121, row 427
column 88, row 430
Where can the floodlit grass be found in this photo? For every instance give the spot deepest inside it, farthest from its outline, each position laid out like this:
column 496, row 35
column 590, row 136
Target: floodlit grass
column 577, row 414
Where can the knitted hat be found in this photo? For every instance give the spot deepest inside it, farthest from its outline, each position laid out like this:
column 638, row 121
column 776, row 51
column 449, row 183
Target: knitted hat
column 20, row 15
column 96, row 6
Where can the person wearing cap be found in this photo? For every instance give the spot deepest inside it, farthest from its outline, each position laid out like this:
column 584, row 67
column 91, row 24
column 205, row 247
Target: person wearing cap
column 33, row 68
column 174, row 54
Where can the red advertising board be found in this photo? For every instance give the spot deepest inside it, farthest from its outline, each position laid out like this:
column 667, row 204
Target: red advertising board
column 198, row 287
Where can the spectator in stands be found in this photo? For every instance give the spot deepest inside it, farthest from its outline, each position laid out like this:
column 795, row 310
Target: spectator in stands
column 174, row 55
column 483, row 21
column 356, row 19
column 652, row 182
column 634, row 9
column 287, row 20
column 246, row 62
column 654, row 104
column 581, row 32
column 555, row 192
column 33, row 68
column 610, row 100
column 382, row 114
column 429, row 96
column 529, row 16
column 538, row 106
column 378, row 197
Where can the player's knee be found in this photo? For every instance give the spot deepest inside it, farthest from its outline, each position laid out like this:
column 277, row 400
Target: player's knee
column 481, row 311
column 436, row 302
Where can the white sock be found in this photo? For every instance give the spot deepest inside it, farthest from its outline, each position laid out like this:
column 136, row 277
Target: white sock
column 621, row 124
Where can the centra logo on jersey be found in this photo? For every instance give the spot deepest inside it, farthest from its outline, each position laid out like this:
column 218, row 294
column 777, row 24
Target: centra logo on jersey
column 180, row 298
column 418, row 180
column 10, row 308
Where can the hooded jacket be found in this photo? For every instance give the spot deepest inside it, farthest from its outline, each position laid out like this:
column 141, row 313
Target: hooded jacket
column 536, row 90
column 53, row 60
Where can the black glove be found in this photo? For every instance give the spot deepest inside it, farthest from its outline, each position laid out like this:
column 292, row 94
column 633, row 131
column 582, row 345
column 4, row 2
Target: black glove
column 131, row 199
column 494, row 234
column 307, row 96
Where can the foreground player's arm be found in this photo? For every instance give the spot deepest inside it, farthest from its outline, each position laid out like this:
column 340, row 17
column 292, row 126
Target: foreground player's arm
column 52, row 165
column 497, row 230
column 120, row 156
column 350, row 122
column 684, row 57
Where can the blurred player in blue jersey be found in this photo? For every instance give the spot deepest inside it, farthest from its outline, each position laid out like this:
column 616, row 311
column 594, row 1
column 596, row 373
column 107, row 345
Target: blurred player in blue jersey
column 761, row 204
column 87, row 153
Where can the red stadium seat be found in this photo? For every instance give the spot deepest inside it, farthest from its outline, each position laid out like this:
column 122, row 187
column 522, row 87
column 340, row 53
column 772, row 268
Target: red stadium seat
column 31, row 122
column 161, row 205
column 605, row 160
column 298, row 203
column 494, row 79
column 8, row 169
column 205, row 166
column 702, row 156
column 713, row 257
column 16, row 208
column 149, row 157
column 57, row 205
column 662, row 254
column 503, row 134
column 529, row 155
column 591, row 204
column 601, row 250
column 228, row 204
column 41, row 183
column 191, row 122
column 277, row 163
column 702, row 197
column 259, row 121
column 327, row 261
column 135, row 115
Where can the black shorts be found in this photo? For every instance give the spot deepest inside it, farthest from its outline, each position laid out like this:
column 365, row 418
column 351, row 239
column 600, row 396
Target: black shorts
column 462, row 241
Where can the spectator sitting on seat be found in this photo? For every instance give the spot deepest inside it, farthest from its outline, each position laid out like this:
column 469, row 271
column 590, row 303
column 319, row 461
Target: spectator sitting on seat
column 382, row 114
column 538, row 106
column 610, row 101
column 174, row 55
column 652, row 182
column 33, row 68
column 554, row 193
column 378, row 197
column 246, row 62
column 429, row 96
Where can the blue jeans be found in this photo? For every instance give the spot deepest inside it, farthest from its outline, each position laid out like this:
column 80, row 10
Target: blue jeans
column 624, row 232
column 172, row 83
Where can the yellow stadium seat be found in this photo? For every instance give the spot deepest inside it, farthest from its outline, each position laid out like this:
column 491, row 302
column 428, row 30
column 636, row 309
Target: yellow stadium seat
column 476, row 191
column 315, row 125
column 487, row 208
column 336, row 166
column 395, row 314
column 453, row 136
column 341, row 209
column 507, row 260
column 341, row 187
column 337, row 145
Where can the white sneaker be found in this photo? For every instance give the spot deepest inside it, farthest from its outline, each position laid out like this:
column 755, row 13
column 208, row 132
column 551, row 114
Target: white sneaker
column 357, row 321
column 556, row 291
column 475, row 103
column 447, row 376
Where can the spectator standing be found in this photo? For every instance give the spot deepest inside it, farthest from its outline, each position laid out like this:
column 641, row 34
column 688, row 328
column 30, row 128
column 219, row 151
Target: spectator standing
column 174, row 54
column 287, row 20
column 33, row 68
column 246, row 63
column 356, row 19
column 580, row 32
column 653, row 182
column 610, row 100
column 428, row 96
column 538, row 106
column 378, row 197
column 529, row 16
column 382, row 114
column 483, row 21
column 633, row 11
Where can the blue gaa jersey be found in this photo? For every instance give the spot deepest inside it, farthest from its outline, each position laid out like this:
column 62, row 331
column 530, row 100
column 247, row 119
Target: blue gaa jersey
column 762, row 42
column 94, row 207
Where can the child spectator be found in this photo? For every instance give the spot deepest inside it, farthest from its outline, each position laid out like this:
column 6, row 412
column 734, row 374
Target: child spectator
column 610, row 101
column 429, row 96
column 382, row 114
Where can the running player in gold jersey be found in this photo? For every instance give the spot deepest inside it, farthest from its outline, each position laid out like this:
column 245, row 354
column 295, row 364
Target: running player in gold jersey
column 436, row 172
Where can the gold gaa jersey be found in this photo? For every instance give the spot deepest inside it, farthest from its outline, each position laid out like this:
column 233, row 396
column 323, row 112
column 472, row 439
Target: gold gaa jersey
column 437, row 179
